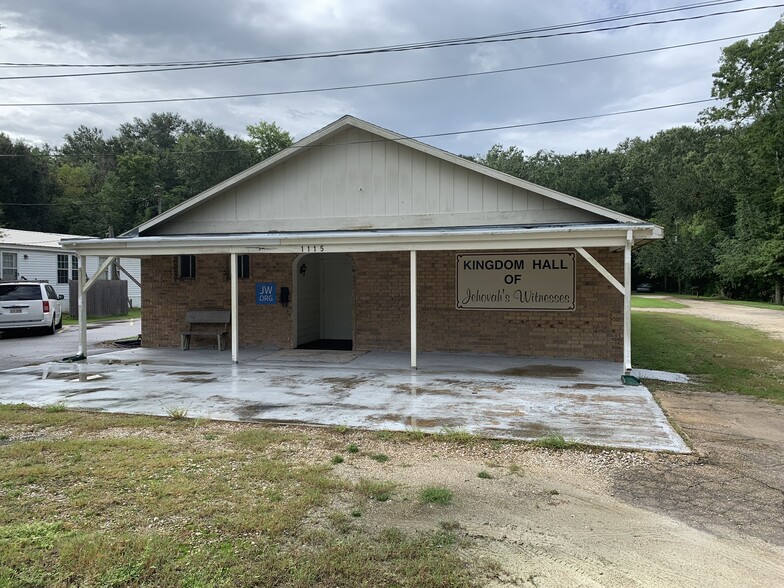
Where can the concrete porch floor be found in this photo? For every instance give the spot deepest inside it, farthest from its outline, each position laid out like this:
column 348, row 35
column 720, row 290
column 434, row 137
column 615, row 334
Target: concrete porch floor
column 492, row 396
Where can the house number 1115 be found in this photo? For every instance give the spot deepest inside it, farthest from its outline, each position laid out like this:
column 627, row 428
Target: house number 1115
column 312, row 248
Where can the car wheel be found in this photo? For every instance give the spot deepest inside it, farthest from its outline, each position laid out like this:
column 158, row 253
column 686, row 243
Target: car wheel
column 51, row 330
column 59, row 324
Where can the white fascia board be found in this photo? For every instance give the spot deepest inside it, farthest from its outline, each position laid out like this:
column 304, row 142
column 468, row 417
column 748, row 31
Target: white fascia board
column 366, row 241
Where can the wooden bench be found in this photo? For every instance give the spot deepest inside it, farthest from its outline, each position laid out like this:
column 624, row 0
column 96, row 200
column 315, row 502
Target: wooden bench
column 206, row 317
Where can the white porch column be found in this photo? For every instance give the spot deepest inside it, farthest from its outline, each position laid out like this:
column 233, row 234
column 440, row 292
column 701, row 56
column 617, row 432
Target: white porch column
column 82, row 302
column 413, row 280
column 235, row 315
column 627, row 303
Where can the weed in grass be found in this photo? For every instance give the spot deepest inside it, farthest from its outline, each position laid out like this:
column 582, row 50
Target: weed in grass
column 385, row 435
column 380, row 491
column 514, row 468
column 352, row 448
column 496, row 445
column 379, row 457
column 554, row 441
column 436, row 495
column 553, row 493
column 4, row 437
column 55, row 407
column 336, row 459
column 342, row 429
column 356, row 513
column 484, row 475
column 176, row 412
column 210, row 436
column 454, row 435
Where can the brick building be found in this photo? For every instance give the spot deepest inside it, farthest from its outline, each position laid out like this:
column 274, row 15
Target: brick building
column 359, row 238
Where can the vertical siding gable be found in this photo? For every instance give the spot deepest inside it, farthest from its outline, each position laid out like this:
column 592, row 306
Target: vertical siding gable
column 356, row 179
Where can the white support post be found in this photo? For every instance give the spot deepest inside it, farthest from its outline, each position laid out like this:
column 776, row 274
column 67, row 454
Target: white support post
column 82, row 301
column 413, row 280
column 627, row 303
column 235, row 323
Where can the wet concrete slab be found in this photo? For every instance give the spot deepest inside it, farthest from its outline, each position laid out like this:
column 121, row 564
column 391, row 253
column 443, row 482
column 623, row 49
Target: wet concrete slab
column 492, row 396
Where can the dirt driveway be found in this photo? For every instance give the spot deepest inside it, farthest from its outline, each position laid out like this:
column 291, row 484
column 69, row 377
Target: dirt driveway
column 763, row 319
column 548, row 518
column 544, row 518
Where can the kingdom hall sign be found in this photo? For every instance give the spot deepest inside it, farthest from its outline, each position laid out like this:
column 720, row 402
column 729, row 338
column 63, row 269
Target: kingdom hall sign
column 525, row 281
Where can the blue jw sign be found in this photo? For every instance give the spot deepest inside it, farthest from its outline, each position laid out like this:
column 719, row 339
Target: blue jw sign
column 266, row 293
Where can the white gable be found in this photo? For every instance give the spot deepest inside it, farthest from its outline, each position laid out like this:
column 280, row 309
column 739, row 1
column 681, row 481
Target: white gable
column 353, row 176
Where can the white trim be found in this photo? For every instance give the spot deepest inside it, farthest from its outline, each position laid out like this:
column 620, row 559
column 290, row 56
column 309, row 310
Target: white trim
column 550, row 237
column 339, row 125
column 627, row 303
column 601, row 269
column 413, row 311
column 82, row 294
column 235, row 314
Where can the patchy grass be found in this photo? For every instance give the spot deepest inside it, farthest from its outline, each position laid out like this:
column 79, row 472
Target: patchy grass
column 724, row 357
column 639, row 301
column 92, row 499
column 379, row 457
column 455, row 435
column 485, row 475
column 436, row 495
column 56, row 407
column 133, row 313
column 336, row 459
column 352, row 448
column 556, row 441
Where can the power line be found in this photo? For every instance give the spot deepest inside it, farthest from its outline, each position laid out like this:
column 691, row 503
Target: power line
column 376, row 84
column 387, row 48
column 433, row 135
column 500, row 38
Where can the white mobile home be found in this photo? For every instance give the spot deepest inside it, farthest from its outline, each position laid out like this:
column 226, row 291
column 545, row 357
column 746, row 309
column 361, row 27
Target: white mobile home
column 30, row 255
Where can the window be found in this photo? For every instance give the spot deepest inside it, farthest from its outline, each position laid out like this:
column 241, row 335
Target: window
column 74, row 267
column 50, row 292
column 104, row 273
column 243, row 267
column 62, row 269
column 186, row 266
column 8, row 266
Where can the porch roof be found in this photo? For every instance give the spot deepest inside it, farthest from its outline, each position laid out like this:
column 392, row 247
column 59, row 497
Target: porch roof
column 447, row 238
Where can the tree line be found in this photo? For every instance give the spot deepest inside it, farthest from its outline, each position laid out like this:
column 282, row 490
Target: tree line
column 717, row 187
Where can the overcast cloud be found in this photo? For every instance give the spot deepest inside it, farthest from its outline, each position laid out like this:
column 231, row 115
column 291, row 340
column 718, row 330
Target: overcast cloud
column 99, row 31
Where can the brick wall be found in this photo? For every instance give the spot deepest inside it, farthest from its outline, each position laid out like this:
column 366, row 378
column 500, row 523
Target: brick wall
column 381, row 307
column 381, row 302
column 166, row 298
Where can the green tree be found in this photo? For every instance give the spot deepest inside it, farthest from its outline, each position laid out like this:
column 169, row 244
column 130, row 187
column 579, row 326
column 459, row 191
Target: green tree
column 268, row 138
column 749, row 82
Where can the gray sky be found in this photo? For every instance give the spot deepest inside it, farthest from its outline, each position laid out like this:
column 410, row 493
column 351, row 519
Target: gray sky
column 106, row 31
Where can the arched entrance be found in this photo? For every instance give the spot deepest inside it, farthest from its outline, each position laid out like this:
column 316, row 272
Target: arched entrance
column 324, row 301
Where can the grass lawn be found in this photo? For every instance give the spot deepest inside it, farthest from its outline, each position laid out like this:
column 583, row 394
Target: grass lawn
column 132, row 313
column 725, row 357
column 639, row 301
column 751, row 303
column 91, row 499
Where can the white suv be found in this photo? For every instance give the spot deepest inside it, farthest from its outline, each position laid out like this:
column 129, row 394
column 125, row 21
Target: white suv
column 30, row 305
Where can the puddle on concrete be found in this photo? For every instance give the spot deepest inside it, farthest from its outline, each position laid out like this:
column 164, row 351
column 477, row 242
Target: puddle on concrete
column 250, row 411
column 582, row 386
column 73, row 376
column 542, row 371
column 71, row 393
column 192, row 373
column 523, row 431
column 343, row 384
column 194, row 380
column 415, row 422
column 424, row 389
column 126, row 361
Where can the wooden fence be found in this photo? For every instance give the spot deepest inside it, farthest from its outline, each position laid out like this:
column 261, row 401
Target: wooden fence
column 105, row 298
